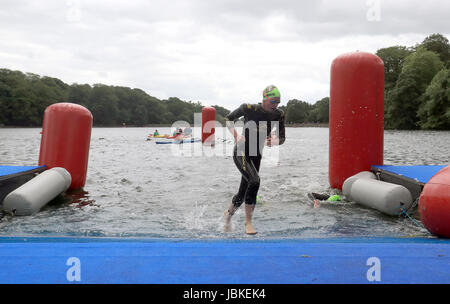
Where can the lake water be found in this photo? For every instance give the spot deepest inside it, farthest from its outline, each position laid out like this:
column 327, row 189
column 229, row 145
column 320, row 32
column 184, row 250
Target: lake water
column 136, row 188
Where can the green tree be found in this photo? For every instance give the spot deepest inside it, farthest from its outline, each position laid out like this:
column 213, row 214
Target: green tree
column 439, row 44
column 404, row 99
column 25, row 96
column 22, row 108
column 104, row 107
column 298, row 111
column 321, row 111
column 181, row 110
column 131, row 108
column 5, row 96
column 156, row 110
column 393, row 58
column 80, row 94
column 46, row 91
column 434, row 113
column 10, row 83
column 221, row 112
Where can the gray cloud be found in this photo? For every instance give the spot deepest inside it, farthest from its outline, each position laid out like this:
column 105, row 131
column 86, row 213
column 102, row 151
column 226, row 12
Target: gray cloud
column 202, row 50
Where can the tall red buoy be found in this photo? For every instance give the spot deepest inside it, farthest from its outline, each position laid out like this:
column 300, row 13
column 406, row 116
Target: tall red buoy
column 434, row 204
column 356, row 115
column 66, row 136
column 208, row 125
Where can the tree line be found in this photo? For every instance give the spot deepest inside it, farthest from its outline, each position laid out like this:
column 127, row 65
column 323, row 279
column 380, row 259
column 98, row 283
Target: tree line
column 25, row 96
column 416, row 85
column 416, row 95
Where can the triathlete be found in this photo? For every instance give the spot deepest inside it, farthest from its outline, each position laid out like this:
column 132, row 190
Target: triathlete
column 259, row 121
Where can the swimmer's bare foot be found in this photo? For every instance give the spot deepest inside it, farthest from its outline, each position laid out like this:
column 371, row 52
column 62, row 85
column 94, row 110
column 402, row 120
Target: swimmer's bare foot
column 227, row 215
column 248, row 218
column 316, row 204
column 227, row 226
column 249, row 229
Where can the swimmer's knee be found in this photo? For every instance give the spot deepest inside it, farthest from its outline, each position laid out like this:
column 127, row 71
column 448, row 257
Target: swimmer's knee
column 254, row 182
column 237, row 204
column 237, row 201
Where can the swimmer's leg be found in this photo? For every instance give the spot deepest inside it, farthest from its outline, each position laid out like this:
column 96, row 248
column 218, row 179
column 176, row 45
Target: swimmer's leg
column 241, row 163
column 248, row 190
column 236, row 202
column 253, row 181
column 248, row 219
column 238, row 199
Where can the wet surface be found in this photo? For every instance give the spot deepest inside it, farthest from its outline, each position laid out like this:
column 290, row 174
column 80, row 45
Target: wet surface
column 136, row 188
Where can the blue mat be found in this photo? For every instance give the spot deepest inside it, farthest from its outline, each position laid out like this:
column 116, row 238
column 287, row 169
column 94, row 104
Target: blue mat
column 421, row 174
column 359, row 260
column 9, row 170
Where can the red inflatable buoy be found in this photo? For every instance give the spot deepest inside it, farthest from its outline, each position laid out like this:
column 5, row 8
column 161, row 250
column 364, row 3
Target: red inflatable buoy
column 66, row 136
column 356, row 115
column 208, row 125
column 434, row 204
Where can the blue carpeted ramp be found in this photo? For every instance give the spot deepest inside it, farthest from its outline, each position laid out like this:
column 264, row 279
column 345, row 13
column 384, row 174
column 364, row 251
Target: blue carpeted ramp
column 378, row 260
column 12, row 177
column 421, row 174
column 413, row 178
column 12, row 171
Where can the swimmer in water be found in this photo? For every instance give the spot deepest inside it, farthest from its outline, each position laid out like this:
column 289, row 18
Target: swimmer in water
column 317, row 197
column 259, row 120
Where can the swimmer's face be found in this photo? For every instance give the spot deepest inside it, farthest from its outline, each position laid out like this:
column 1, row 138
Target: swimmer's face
column 270, row 105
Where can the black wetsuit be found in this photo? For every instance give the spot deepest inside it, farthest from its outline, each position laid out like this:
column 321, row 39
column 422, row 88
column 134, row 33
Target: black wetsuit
column 258, row 125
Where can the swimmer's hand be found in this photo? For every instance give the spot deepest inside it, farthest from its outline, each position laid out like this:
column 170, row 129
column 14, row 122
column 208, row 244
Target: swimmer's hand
column 240, row 144
column 240, row 139
column 272, row 141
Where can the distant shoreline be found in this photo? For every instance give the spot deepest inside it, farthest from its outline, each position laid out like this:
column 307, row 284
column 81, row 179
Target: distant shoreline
column 296, row 125
column 307, row 125
column 151, row 126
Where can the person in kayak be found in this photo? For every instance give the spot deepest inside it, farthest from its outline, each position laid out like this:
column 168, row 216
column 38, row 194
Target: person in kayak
column 156, row 133
column 260, row 119
column 179, row 135
column 177, row 132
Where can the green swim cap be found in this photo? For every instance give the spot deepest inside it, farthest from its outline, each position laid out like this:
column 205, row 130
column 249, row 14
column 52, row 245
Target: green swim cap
column 271, row 92
column 334, row 198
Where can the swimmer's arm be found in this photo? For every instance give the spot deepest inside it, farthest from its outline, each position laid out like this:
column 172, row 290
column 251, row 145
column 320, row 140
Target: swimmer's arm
column 282, row 134
column 232, row 117
column 230, row 126
column 274, row 140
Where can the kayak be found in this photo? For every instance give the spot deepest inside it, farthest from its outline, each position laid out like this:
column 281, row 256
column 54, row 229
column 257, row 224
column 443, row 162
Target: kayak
column 184, row 141
column 159, row 136
column 180, row 136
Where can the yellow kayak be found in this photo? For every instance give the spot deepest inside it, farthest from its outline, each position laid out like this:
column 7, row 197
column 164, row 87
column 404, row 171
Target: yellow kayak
column 159, row 136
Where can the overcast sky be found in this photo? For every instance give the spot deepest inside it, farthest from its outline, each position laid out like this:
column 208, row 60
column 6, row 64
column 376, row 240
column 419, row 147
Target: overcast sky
column 212, row 51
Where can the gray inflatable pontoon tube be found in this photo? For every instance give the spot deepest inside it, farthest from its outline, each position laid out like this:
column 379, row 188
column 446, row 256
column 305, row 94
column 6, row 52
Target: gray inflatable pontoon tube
column 348, row 183
column 29, row 198
column 370, row 192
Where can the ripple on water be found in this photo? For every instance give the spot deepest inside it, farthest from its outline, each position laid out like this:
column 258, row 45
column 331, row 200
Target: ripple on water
column 136, row 188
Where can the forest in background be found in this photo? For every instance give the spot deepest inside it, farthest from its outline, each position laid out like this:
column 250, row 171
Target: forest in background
column 416, row 96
